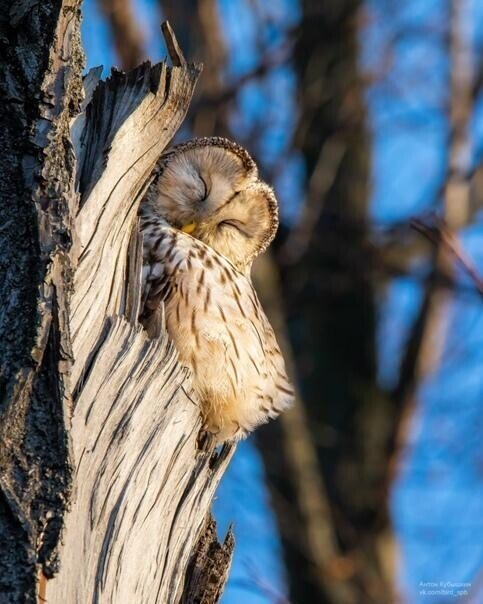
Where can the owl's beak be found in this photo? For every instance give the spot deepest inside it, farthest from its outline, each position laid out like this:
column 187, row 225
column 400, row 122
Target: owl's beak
column 189, row 228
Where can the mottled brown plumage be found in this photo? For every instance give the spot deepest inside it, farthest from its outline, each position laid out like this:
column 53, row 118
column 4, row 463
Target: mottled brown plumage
column 211, row 188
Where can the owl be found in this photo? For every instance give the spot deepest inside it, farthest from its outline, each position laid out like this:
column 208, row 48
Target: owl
column 204, row 219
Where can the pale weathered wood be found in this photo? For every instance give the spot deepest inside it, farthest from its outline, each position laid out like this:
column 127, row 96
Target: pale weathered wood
column 142, row 488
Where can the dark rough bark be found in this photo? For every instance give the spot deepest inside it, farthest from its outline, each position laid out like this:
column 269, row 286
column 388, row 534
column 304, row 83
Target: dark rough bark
column 208, row 567
column 41, row 89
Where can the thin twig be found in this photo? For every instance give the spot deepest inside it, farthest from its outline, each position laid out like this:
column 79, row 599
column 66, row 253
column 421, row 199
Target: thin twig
column 441, row 235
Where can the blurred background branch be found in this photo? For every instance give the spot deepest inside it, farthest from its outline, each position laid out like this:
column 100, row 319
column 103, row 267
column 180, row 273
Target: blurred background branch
column 426, row 340
column 127, row 35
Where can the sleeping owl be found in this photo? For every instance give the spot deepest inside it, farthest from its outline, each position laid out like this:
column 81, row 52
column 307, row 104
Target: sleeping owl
column 204, row 219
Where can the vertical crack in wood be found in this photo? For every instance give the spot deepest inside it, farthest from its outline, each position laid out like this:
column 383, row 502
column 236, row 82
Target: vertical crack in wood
column 131, row 304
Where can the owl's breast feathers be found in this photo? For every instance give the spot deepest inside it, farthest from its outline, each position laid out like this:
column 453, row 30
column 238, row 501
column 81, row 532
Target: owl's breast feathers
column 217, row 324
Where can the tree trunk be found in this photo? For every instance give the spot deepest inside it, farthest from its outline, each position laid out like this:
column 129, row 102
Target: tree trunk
column 312, row 554
column 331, row 319
column 90, row 405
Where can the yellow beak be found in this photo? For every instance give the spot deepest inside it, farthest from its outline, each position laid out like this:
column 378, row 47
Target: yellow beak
column 189, row 228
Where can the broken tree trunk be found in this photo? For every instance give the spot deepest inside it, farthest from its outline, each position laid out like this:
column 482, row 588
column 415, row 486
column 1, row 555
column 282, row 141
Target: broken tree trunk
column 89, row 403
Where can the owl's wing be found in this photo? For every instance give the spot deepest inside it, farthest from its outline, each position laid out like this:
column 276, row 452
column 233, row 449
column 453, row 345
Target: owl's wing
column 211, row 302
column 161, row 260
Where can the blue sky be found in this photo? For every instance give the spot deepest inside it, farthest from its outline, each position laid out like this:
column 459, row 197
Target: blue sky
column 437, row 502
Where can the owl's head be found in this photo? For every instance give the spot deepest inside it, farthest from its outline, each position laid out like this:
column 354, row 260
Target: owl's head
column 209, row 187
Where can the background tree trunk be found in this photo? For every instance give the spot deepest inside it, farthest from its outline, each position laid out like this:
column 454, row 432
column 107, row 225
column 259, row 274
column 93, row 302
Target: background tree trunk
column 426, row 341
column 329, row 304
column 88, row 399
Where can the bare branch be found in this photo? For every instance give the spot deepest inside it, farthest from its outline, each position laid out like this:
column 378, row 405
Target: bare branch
column 441, row 236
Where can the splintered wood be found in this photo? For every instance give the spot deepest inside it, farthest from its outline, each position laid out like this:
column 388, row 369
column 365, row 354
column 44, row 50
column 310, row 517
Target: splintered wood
column 143, row 490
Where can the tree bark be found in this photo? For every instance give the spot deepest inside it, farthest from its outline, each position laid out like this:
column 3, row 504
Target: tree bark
column 90, row 404
column 41, row 89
